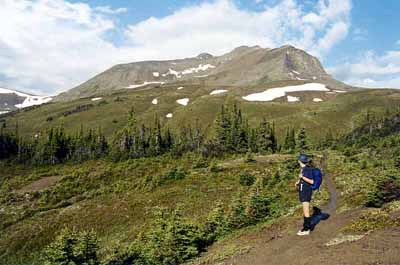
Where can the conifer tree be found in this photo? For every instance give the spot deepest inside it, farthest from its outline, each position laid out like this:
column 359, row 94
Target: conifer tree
column 301, row 143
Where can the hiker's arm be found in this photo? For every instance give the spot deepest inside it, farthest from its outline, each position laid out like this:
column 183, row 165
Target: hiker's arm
column 310, row 181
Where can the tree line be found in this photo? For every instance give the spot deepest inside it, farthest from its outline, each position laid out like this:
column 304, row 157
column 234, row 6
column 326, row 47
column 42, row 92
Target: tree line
column 232, row 134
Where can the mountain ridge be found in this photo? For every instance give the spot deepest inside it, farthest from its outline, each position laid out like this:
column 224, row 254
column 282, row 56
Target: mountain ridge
column 243, row 66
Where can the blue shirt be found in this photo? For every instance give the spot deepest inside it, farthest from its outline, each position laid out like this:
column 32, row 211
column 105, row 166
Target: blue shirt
column 307, row 172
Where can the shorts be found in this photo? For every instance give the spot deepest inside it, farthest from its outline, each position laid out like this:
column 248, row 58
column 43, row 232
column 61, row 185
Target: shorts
column 305, row 192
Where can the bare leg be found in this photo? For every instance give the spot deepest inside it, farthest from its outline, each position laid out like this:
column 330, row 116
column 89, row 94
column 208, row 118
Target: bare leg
column 306, row 209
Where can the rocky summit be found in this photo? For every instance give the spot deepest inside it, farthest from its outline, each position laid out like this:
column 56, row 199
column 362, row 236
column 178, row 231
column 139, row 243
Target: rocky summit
column 244, row 66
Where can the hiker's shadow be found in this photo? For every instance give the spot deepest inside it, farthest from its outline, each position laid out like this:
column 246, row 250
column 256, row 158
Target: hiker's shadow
column 317, row 217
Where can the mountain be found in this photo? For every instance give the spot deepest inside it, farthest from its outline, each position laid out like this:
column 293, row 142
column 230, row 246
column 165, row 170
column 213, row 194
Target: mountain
column 12, row 100
column 244, row 66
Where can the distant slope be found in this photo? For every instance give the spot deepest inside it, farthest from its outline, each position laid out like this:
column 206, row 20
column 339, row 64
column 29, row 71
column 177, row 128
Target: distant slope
column 12, row 100
column 244, row 66
column 336, row 112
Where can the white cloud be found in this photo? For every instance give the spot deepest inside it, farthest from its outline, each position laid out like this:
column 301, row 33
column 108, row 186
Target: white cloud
column 47, row 46
column 371, row 70
column 109, row 10
column 398, row 42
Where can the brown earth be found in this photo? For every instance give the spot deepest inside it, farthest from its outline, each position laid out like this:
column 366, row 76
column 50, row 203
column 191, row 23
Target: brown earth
column 278, row 244
column 40, row 184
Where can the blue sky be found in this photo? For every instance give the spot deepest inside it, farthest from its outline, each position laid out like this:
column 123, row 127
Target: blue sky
column 49, row 46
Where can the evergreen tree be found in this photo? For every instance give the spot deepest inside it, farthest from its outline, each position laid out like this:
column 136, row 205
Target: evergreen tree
column 266, row 138
column 216, row 224
column 222, row 129
column 301, row 143
column 72, row 248
column 257, row 208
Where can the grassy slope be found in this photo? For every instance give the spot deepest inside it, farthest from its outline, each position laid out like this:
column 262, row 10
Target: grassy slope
column 337, row 113
column 112, row 198
column 115, row 199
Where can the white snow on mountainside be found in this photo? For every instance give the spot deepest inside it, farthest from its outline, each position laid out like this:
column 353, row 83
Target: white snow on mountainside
column 29, row 100
column 144, row 84
column 292, row 99
column 277, row 92
column 183, row 101
column 218, row 91
column 192, row 70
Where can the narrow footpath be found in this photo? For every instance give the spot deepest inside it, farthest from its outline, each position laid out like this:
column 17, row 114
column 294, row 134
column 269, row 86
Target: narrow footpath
column 279, row 244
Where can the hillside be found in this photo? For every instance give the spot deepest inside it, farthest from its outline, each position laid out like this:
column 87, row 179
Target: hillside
column 134, row 167
column 244, row 66
column 336, row 112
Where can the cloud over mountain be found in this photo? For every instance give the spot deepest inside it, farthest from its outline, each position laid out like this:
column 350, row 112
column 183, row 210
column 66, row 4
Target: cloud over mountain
column 48, row 46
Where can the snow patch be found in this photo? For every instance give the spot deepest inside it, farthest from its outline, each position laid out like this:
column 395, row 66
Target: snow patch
column 96, row 99
column 218, row 91
column 314, row 78
column 144, row 84
column 4, row 111
column 278, row 92
column 197, row 69
column 297, row 73
column 179, row 88
column 30, row 100
column 298, row 78
column 156, row 74
column 192, row 70
column 169, row 115
column 155, row 101
column 33, row 101
column 292, row 99
column 340, row 91
column 317, row 99
column 183, row 101
column 172, row 72
column 200, row 76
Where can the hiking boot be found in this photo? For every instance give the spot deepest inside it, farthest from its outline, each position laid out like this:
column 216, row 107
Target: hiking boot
column 303, row 232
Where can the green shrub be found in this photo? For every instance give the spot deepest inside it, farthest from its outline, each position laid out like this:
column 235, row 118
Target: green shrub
column 237, row 217
column 246, row 179
column 363, row 164
column 372, row 221
column 71, row 247
column 200, row 163
column 386, row 190
column 216, row 224
column 172, row 239
column 214, row 168
column 257, row 208
column 133, row 255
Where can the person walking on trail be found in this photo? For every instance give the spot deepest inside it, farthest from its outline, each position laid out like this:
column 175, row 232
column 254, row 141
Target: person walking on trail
column 305, row 188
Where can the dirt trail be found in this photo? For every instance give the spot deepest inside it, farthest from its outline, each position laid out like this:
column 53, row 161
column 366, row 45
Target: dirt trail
column 333, row 197
column 279, row 244
column 40, row 184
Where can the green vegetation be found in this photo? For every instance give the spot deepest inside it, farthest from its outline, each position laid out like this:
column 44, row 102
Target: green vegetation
column 151, row 194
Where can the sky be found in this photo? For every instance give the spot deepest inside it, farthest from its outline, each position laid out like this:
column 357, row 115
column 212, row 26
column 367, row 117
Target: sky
column 50, row 46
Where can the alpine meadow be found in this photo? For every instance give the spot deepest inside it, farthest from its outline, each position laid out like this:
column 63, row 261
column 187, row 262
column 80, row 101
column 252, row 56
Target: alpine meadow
column 192, row 158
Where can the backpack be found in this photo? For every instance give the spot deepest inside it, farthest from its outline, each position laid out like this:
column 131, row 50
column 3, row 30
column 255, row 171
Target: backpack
column 317, row 177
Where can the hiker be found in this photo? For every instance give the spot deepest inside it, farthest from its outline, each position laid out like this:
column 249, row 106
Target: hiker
column 305, row 185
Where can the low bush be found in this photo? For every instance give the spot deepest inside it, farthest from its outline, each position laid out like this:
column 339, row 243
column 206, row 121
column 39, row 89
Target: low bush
column 246, row 179
column 71, row 247
column 386, row 189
